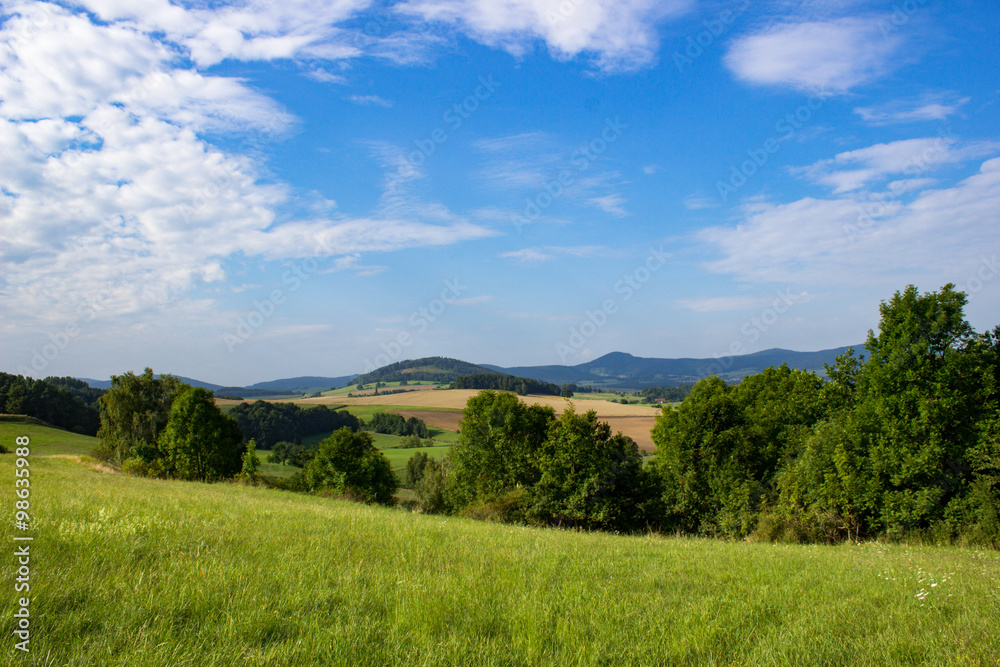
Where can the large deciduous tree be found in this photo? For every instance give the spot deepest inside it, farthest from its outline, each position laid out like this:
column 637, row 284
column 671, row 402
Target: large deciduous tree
column 348, row 463
column 134, row 411
column 497, row 449
column 591, row 478
column 199, row 442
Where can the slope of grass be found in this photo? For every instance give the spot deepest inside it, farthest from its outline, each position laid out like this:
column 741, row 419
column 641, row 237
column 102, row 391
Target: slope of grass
column 46, row 440
column 129, row 571
column 399, row 457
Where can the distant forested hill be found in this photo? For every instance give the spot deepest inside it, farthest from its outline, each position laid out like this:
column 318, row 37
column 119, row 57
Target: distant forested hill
column 620, row 370
column 428, row 369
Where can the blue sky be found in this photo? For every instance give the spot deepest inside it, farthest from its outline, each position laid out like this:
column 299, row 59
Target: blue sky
column 240, row 192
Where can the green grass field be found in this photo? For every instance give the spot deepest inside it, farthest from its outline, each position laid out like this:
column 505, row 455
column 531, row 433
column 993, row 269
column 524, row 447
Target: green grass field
column 48, row 440
column 366, row 411
column 353, row 388
column 399, row 457
column 129, row 571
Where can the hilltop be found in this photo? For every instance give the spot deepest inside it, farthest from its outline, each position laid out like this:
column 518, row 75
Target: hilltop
column 427, row 369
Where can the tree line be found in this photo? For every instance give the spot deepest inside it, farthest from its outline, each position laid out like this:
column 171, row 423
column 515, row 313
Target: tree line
column 903, row 443
column 270, row 423
column 67, row 403
column 523, row 463
column 391, row 423
column 503, row 382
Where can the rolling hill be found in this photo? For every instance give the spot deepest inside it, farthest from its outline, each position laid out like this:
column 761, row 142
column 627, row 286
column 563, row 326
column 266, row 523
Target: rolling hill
column 620, row 370
column 157, row 572
column 427, row 369
column 616, row 370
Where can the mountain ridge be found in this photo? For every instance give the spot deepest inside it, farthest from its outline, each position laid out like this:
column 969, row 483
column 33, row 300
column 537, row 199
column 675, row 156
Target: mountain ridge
column 614, row 370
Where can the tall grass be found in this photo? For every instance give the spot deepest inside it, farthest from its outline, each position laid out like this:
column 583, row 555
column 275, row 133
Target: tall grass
column 130, row 571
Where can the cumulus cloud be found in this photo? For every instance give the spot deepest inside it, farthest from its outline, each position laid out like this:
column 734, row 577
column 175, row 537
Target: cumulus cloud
column 107, row 183
column 828, row 56
column 619, row 34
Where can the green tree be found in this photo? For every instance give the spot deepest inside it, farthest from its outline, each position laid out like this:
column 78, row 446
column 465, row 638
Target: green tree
column 251, row 463
column 720, row 452
column 134, row 411
column 592, row 478
column 415, row 468
column 348, row 463
column 199, row 442
column 919, row 399
column 432, row 486
column 496, row 452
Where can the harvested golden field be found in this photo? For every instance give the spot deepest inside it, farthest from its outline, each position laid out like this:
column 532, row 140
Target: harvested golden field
column 635, row 421
column 446, row 419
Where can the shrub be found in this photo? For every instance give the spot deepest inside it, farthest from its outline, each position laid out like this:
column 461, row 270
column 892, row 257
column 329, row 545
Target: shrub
column 432, row 487
column 348, row 463
column 511, row 507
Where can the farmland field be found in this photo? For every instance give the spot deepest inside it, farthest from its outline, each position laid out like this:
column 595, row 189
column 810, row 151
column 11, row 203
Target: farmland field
column 635, row 421
column 131, row 571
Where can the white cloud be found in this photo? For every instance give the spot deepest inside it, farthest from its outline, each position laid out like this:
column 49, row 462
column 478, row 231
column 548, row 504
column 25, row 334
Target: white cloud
column 651, row 169
column 109, row 189
column 370, row 100
column 853, row 170
column 546, row 253
column 720, row 304
column 619, row 34
column 942, row 234
column 927, row 108
column 253, row 30
column 829, row 56
column 612, row 204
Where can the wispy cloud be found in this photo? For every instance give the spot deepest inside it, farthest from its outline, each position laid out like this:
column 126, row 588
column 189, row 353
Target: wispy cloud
column 927, row 108
column 718, row 304
column 828, row 56
column 370, row 100
column 547, row 253
column 695, row 203
column 612, row 204
column 536, row 164
column 861, row 241
column 852, row 170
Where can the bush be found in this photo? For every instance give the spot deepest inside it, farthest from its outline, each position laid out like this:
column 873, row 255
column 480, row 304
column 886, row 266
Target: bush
column 136, row 467
column 511, row 507
column 348, row 463
column 432, row 487
column 415, row 468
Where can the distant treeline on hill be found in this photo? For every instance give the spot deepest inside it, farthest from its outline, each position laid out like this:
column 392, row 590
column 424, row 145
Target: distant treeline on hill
column 243, row 392
column 428, row 369
column 521, row 386
column 64, row 402
column 270, row 423
column 670, row 394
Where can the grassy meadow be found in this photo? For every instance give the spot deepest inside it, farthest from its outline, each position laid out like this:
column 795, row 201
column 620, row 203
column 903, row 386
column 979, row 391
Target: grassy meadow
column 131, row 571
